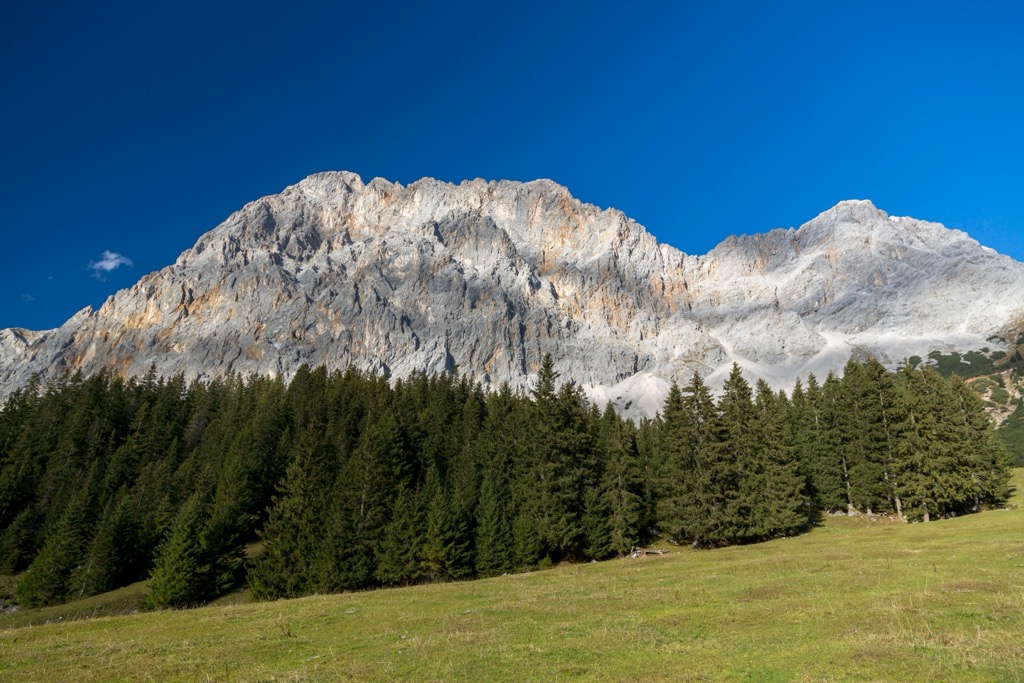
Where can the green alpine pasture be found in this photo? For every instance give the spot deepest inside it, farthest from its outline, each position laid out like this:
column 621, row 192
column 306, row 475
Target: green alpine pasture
column 856, row 599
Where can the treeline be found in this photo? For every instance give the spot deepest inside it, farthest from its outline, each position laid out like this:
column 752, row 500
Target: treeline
column 349, row 481
column 758, row 465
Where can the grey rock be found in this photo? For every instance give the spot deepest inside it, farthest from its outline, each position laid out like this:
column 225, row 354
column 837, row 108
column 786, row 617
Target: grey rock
column 487, row 277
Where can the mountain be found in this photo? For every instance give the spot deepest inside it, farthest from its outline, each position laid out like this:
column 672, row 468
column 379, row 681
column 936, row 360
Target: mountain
column 486, row 277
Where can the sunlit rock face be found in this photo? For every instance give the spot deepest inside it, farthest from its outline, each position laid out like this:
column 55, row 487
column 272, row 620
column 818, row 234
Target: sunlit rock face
column 487, row 277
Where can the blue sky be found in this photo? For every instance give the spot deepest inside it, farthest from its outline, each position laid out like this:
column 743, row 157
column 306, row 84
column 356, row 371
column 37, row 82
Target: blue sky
column 129, row 129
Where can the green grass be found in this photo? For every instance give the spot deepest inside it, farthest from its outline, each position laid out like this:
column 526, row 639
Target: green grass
column 854, row 600
column 970, row 364
column 122, row 601
column 983, row 384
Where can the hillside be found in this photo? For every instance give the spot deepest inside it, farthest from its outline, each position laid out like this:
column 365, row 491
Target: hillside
column 352, row 483
column 998, row 376
column 860, row 599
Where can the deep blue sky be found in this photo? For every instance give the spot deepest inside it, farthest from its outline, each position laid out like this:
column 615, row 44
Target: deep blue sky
column 132, row 128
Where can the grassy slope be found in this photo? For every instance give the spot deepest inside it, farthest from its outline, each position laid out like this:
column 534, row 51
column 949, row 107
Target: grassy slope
column 121, row 601
column 853, row 600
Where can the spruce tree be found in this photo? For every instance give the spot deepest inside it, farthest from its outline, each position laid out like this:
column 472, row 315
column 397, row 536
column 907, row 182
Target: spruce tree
column 622, row 484
column 495, row 549
column 294, row 530
column 781, row 506
column 674, row 469
column 699, row 512
column 108, row 560
column 560, row 446
column 154, row 502
column 224, row 534
column 816, row 443
column 528, row 544
column 884, row 395
column 737, row 463
column 398, row 555
column 596, row 536
column 48, row 579
column 647, row 446
column 595, row 540
column 496, row 446
column 937, row 448
column 17, row 542
column 28, row 459
column 988, row 460
column 176, row 579
column 465, row 466
column 861, row 421
column 446, row 552
column 365, row 491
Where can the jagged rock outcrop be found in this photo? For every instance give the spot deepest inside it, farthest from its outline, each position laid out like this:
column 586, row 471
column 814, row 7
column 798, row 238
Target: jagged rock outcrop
column 488, row 276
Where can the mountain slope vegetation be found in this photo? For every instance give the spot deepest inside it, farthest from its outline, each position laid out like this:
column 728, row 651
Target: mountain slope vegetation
column 350, row 482
column 998, row 377
column 855, row 599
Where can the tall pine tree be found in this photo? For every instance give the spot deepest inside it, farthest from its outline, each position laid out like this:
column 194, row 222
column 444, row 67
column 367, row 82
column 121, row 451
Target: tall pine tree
column 622, row 485
column 176, row 579
column 780, row 504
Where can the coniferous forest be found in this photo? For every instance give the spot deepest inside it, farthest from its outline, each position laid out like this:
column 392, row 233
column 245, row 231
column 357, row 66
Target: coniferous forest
column 348, row 481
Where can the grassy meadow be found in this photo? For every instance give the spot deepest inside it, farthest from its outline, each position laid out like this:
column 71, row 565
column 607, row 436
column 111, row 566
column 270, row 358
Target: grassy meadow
column 855, row 599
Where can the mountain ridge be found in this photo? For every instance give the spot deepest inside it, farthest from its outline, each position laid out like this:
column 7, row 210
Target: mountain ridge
column 487, row 276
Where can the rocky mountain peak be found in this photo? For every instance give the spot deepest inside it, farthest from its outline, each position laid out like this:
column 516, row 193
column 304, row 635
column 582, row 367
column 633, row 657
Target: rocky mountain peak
column 854, row 211
column 487, row 276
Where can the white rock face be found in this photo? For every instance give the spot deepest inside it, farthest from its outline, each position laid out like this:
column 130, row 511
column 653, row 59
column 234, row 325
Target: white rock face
column 13, row 342
column 487, row 277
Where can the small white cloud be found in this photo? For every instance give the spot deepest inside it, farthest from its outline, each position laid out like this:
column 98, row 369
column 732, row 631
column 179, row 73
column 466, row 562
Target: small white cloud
column 28, row 298
column 111, row 260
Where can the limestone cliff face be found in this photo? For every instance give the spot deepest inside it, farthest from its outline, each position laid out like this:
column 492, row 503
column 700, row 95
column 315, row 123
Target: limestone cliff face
column 487, row 277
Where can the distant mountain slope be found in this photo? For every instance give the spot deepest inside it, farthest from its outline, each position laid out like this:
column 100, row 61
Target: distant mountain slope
column 486, row 277
column 998, row 376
